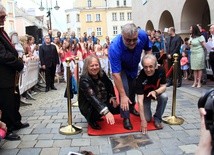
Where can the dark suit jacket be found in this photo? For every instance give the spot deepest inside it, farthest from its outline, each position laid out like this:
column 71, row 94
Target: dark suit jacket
column 48, row 55
column 175, row 45
column 9, row 63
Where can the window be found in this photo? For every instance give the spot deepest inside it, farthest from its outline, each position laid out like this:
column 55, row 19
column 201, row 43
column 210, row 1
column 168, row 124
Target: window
column 114, row 16
column 118, row 3
column 78, row 17
column 89, row 3
column 88, row 18
column 68, row 18
column 129, row 16
column 124, row 2
column 122, row 16
column 98, row 17
column 114, row 30
column 99, row 31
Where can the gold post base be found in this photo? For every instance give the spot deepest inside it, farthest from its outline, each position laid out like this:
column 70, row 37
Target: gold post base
column 173, row 120
column 70, row 130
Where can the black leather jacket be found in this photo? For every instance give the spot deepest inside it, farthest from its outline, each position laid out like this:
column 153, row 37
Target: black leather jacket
column 87, row 98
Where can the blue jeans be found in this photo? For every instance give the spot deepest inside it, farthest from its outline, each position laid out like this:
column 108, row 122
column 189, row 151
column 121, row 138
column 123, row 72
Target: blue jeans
column 128, row 84
column 161, row 105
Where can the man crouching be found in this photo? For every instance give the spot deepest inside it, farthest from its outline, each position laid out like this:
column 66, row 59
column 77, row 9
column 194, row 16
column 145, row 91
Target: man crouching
column 151, row 84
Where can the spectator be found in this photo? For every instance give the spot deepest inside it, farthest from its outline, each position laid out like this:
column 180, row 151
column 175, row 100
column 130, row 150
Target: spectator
column 173, row 45
column 94, row 39
column 211, row 54
column 205, row 146
column 49, row 59
column 184, row 65
column 85, row 38
column 73, row 38
column 197, row 45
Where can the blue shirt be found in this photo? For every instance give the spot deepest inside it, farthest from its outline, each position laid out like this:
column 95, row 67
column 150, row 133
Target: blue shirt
column 123, row 59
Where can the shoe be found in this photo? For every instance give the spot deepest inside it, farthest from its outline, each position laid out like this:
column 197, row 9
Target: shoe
column 12, row 136
column 127, row 124
column 158, row 125
column 46, row 89
column 53, row 88
column 134, row 112
column 21, row 126
column 94, row 125
column 199, row 86
column 194, row 85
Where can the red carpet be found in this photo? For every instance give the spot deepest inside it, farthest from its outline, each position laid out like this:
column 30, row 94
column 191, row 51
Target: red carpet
column 117, row 128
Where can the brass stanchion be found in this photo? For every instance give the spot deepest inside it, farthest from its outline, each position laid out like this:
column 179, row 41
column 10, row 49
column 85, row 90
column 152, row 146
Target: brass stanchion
column 75, row 104
column 174, row 120
column 69, row 129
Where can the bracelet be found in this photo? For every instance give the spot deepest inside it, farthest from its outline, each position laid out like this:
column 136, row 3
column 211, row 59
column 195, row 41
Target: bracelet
column 156, row 92
column 106, row 112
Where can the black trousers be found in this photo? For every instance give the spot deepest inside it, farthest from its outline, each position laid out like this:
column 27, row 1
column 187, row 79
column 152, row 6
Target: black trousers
column 49, row 76
column 9, row 105
column 211, row 61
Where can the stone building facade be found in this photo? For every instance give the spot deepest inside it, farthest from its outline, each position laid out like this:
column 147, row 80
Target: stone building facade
column 181, row 14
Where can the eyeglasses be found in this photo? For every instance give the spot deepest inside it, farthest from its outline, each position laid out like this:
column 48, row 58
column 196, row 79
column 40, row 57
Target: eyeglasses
column 130, row 40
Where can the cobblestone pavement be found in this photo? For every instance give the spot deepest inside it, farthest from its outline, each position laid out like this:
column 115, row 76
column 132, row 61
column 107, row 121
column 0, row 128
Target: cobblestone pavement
column 49, row 111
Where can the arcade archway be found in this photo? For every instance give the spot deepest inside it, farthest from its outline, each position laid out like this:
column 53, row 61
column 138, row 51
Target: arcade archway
column 195, row 12
column 149, row 25
column 166, row 20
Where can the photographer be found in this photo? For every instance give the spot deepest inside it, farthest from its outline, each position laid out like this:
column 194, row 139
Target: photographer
column 205, row 105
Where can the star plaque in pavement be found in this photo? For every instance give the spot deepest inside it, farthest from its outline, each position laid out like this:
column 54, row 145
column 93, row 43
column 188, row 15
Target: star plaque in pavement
column 128, row 142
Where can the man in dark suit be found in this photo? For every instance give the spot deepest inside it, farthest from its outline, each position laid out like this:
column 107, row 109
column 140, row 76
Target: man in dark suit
column 10, row 65
column 49, row 59
column 173, row 44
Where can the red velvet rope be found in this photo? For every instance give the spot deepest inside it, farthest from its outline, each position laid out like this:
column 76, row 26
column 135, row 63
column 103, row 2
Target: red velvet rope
column 169, row 72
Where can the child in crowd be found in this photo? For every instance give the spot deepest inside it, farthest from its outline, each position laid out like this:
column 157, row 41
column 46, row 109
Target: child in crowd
column 184, row 64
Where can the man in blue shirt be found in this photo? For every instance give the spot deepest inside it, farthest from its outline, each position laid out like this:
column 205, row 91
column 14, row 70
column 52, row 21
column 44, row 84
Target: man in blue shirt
column 124, row 54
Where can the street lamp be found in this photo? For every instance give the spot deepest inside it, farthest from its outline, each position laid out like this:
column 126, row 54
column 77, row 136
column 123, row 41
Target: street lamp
column 41, row 8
